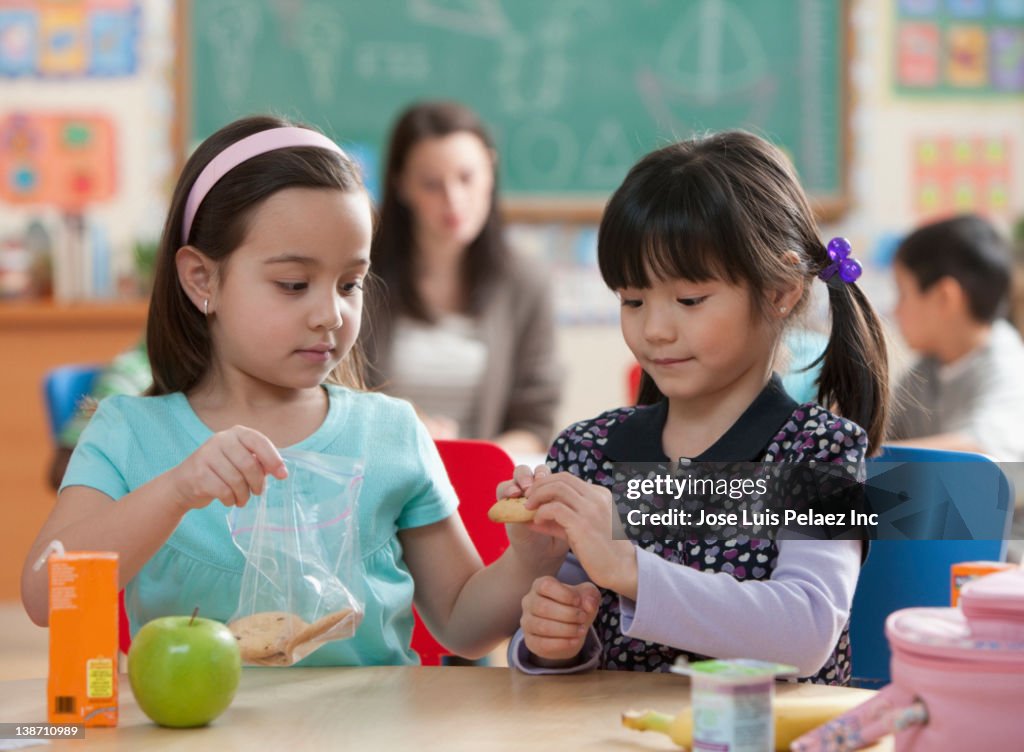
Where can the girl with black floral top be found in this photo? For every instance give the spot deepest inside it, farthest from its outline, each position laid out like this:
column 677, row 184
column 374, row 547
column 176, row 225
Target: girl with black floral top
column 712, row 248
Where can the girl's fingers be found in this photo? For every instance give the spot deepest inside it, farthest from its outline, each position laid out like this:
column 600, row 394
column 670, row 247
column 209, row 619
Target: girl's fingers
column 228, row 475
column 554, row 490
column 549, row 628
column 555, row 591
column 523, row 477
column 218, row 489
column 548, row 610
column 558, row 513
column 264, row 450
column 508, row 489
column 549, row 529
column 590, row 597
column 247, row 464
column 545, row 477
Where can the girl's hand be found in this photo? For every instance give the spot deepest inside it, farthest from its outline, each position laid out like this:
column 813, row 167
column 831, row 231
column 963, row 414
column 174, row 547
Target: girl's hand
column 522, row 479
column 230, row 466
column 556, row 617
column 585, row 515
column 529, row 541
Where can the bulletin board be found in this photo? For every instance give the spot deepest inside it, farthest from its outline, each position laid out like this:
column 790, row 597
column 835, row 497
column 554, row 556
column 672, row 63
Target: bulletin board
column 575, row 91
column 959, row 47
column 68, row 38
column 64, row 160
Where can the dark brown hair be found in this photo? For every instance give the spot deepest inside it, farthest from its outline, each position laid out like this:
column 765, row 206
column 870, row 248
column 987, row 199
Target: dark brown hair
column 970, row 251
column 394, row 248
column 177, row 335
column 728, row 206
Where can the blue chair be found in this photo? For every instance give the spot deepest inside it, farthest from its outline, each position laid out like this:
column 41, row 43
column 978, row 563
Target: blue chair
column 936, row 508
column 63, row 389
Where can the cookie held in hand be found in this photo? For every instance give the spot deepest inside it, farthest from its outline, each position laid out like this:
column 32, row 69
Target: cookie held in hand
column 510, row 510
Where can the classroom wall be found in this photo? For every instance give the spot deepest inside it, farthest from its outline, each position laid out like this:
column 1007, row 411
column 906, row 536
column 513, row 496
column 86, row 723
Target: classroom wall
column 140, row 108
column 886, row 125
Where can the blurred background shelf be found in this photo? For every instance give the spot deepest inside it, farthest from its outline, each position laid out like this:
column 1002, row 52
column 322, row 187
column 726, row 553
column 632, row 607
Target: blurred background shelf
column 35, row 336
column 71, row 316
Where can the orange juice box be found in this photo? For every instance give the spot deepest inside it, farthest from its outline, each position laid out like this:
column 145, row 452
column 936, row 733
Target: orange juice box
column 83, row 638
column 965, row 571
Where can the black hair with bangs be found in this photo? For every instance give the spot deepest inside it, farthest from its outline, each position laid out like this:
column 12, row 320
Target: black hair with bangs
column 729, row 206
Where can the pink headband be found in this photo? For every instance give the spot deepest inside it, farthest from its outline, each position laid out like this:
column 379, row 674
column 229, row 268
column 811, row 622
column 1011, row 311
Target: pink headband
column 240, row 151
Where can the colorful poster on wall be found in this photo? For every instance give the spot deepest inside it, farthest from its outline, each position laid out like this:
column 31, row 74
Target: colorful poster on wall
column 64, row 160
column 68, row 38
column 955, row 174
column 959, row 47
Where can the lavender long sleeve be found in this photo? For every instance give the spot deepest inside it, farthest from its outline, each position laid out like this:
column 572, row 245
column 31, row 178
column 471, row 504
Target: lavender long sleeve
column 795, row 617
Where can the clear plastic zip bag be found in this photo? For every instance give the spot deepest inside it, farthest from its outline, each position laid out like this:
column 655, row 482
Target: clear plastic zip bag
column 302, row 583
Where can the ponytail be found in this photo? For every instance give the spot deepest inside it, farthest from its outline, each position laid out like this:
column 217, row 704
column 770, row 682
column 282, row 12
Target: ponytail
column 854, row 377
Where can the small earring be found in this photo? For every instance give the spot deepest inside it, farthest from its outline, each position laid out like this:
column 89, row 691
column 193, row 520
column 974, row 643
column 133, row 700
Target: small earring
column 206, row 306
column 782, row 309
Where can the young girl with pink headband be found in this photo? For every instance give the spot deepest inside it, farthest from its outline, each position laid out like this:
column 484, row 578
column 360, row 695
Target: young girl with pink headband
column 256, row 306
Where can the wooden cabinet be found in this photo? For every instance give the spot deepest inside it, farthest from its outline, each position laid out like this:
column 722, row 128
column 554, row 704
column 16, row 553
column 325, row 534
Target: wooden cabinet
column 35, row 337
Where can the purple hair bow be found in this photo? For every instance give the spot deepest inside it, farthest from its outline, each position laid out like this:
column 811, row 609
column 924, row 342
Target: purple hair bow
column 847, row 267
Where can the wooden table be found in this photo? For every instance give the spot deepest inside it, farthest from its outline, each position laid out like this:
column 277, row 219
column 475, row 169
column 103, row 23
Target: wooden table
column 392, row 708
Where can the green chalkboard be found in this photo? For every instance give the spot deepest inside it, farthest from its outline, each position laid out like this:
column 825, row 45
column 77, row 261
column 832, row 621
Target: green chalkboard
column 574, row 90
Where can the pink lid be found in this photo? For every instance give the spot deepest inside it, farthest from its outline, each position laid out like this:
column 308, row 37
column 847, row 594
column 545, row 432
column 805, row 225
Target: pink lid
column 944, row 634
column 1001, row 590
column 994, row 605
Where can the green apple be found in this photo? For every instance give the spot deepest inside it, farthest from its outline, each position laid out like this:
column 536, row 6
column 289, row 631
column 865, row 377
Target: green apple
column 184, row 670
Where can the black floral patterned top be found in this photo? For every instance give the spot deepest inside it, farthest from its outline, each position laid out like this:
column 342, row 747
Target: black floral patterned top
column 774, row 428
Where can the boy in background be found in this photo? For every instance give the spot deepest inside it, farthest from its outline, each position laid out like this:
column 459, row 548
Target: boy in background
column 967, row 391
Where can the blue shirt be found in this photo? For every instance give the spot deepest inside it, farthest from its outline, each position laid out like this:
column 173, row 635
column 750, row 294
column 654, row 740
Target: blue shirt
column 131, row 440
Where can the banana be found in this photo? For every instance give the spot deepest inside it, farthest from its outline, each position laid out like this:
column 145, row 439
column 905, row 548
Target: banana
column 794, row 717
column 678, row 728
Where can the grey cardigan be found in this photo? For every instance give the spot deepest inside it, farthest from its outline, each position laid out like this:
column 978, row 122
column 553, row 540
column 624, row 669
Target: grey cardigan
column 522, row 379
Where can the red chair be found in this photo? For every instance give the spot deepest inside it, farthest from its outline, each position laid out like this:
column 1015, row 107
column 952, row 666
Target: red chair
column 124, row 635
column 475, row 468
column 633, row 383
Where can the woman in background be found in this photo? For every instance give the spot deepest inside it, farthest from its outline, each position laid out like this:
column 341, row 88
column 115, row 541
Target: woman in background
column 465, row 331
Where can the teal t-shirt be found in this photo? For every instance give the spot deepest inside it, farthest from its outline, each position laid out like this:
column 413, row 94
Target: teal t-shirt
column 131, row 440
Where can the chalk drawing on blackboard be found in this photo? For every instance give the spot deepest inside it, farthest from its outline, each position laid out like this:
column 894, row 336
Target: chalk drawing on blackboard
column 394, row 62
column 712, row 52
column 811, row 146
column 609, row 156
column 534, row 68
column 232, row 28
column 530, row 79
column 712, row 58
column 320, row 38
column 545, row 152
column 542, row 87
column 674, row 110
column 478, row 17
